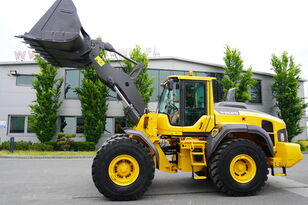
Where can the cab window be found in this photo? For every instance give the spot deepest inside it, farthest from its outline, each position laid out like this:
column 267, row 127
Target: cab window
column 194, row 102
column 170, row 103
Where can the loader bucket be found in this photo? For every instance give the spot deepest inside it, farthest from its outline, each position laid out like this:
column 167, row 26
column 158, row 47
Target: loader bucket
column 59, row 37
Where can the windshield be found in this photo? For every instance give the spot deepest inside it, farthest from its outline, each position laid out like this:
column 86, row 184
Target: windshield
column 169, row 102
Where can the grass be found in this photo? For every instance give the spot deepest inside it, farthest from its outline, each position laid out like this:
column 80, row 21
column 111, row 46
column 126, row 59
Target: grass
column 303, row 144
column 47, row 153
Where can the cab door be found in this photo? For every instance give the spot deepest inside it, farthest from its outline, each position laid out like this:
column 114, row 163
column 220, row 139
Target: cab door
column 196, row 115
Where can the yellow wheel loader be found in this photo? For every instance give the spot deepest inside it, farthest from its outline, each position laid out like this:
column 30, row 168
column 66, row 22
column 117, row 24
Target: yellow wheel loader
column 226, row 142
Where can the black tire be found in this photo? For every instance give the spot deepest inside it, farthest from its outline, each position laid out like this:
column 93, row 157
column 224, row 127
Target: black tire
column 231, row 151
column 122, row 146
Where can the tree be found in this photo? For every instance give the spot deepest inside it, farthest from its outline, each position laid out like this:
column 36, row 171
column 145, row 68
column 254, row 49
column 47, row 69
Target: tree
column 93, row 98
column 285, row 91
column 234, row 76
column 46, row 105
column 143, row 82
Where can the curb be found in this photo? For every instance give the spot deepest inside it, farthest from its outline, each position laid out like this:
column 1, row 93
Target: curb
column 45, row 157
column 54, row 157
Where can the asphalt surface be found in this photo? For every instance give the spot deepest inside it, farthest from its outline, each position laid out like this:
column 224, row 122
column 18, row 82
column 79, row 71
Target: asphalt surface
column 68, row 181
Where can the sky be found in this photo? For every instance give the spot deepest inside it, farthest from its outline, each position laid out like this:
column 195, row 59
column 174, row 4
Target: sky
column 197, row 30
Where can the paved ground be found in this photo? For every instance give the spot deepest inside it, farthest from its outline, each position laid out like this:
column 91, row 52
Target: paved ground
column 68, row 181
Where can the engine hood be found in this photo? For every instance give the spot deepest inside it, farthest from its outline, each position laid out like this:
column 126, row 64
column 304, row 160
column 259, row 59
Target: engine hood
column 233, row 115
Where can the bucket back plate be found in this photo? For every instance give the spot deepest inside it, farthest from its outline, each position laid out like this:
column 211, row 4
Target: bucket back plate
column 59, row 36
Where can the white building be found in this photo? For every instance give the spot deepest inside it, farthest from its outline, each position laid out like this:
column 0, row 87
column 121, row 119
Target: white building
column 16, row 93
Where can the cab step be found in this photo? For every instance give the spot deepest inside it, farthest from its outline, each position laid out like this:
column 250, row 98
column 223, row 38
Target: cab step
column 199, row 177
column 284, row 172
column 279, row 175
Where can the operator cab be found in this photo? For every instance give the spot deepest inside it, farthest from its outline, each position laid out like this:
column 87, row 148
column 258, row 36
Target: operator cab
column 184, row 100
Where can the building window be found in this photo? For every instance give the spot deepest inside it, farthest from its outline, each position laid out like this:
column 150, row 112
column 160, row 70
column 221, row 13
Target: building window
column 161, row 75
column 29, row 130
column 112, row 95
column 24, row 80
column 217, row 87
column 119, row 124
column 109, row 126
column 73, row 79
column 80, row 125
column 71, row 124
column 75, row 125
column 255, row 92
column 19, row 124
column 155, row 83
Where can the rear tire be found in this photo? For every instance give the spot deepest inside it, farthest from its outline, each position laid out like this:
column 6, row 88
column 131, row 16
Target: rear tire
column 239, row 167
column 123, row 169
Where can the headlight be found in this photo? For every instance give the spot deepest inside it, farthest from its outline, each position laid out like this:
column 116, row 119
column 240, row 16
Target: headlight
column 282, row 135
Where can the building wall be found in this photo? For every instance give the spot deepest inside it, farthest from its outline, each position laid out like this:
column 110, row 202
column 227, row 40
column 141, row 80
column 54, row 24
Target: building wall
column 14, row 100
column 266, row 80
column 304, row 135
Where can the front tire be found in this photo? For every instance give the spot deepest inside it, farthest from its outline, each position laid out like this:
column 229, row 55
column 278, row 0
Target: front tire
column 239, row 167
column 123, row 169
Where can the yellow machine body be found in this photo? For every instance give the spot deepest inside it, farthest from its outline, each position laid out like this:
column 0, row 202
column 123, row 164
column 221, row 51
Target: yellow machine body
column 188, row 133
column 191, row 153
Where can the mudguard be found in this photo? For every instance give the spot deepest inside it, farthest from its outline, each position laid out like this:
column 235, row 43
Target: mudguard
column 214, row 141
column 146, row 140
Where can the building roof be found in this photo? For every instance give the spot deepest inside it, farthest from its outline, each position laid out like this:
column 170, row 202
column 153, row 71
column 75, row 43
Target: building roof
column 202, row 63
column 18, row 63
column 154, row 59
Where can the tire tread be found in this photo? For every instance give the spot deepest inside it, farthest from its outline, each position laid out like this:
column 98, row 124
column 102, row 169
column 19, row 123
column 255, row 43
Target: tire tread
column 111, row 142
column 216, row 175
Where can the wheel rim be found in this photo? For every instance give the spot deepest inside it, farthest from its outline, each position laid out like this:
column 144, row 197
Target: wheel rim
column 243, row 168
column 123, row 170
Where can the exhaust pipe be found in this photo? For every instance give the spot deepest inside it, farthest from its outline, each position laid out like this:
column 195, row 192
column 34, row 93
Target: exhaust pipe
column 59, row 37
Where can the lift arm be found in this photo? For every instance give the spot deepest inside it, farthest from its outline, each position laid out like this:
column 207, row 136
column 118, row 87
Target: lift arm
column 61, row 40
column 120, row 82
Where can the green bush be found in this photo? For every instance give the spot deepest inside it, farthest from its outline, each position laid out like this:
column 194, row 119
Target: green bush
column 304, row 142
column 301, row 145
column 55, row 145
column 41, row 147
column 83, row 146
column 64, row 141
column 52, row 146
column 22, row 145
column 5, row 145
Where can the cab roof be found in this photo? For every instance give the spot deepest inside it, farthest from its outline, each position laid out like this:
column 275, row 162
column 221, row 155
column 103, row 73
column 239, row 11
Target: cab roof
column 188, row 77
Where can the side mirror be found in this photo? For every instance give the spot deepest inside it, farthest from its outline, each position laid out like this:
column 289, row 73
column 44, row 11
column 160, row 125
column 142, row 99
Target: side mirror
column 170, row 85
column 231, row 95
